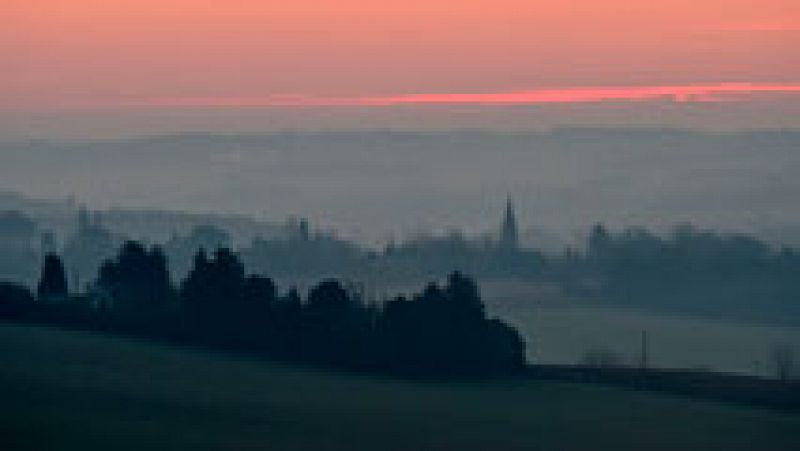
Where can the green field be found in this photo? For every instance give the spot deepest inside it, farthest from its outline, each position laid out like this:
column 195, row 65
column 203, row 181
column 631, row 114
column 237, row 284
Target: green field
column 77, row 390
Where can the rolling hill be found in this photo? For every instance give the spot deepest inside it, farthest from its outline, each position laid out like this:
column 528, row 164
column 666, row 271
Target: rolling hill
column 77, row 390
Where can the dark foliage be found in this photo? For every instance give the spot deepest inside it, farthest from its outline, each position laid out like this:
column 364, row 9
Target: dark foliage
column 137, row 281
column 15, row 300
column 445, row 331
column 223, row 305
column 690, row 271
column 336, row 327
column 442, row 332
column 53, row 283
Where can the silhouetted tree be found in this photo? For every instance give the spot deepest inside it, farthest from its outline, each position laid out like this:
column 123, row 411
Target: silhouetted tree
column 182, row 249
column 259, row 294
column 226, row 306
column 137, row 280
column 15, row 300
column 463, row 291
column 53, row 282
column 337, row 326
column 446, row 332
column 443, row 331
column 209, row 291
column 286, row 325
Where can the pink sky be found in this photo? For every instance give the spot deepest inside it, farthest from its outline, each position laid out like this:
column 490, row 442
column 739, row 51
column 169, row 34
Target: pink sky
column 60, row 54
column 721, row 92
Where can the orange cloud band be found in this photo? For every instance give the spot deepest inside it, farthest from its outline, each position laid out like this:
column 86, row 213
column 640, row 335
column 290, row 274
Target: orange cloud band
column 675, row 93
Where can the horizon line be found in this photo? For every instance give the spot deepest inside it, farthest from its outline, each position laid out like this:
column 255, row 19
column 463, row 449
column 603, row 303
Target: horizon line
column 680, row 94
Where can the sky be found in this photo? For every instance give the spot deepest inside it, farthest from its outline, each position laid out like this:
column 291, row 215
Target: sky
column 66, row 58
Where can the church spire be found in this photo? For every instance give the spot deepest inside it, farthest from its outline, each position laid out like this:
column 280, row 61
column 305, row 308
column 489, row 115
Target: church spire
column 509, row 234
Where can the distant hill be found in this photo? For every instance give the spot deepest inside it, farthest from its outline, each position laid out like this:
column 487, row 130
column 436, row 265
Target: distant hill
column 375, row 185
column 151, row 225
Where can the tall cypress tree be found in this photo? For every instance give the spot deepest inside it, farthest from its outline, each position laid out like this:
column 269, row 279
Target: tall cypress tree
column 53, row 283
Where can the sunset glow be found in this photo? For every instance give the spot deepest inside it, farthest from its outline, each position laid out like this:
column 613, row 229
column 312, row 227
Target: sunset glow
column 88, row 54
column 722, row 92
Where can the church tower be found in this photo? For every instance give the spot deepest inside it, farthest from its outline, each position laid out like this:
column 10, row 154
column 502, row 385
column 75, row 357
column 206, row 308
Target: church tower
column 509, row 234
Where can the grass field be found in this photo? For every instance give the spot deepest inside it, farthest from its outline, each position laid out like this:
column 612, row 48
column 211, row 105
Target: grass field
column 77, row 390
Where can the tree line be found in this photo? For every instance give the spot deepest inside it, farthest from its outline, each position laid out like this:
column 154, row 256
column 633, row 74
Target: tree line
column 443, row 330
column 687, row 271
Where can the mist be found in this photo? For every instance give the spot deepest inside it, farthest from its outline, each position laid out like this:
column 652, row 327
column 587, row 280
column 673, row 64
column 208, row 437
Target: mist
column 374, row 186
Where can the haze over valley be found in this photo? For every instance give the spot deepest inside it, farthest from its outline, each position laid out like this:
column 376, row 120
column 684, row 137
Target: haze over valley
column 375, row 186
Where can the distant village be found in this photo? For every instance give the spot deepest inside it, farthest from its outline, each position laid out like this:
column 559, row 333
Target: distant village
column 688, row 271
